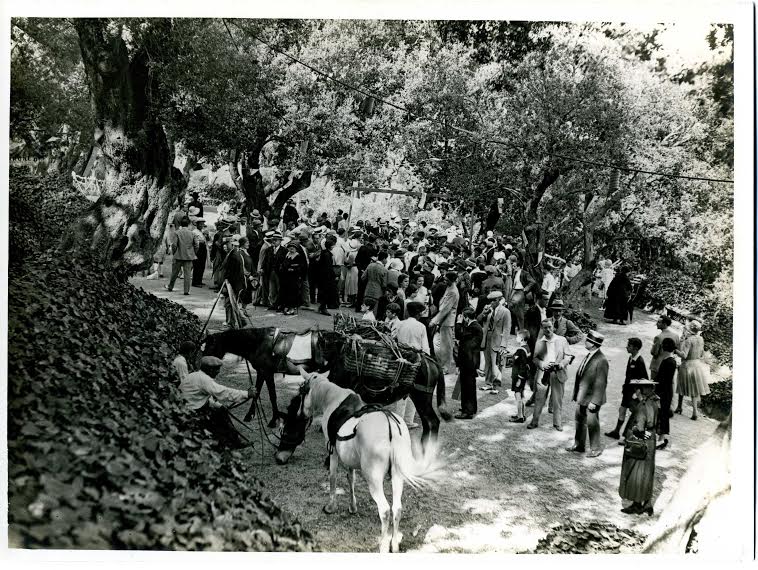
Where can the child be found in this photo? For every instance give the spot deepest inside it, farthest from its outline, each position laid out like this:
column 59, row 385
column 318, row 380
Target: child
column 186, row 350
column 393, row 318
column 368, row 313
column 635, row 370
column 520, row 374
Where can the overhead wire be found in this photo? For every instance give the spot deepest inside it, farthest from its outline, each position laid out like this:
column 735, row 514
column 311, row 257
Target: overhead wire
column 331, row 77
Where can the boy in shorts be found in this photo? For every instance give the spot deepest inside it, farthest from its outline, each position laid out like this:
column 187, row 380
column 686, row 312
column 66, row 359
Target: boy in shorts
column 521, row 374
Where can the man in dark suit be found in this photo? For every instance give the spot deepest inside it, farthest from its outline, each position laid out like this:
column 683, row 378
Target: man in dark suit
column 362, row 261
column 468, row 362
column 523, row 285
column 589, row 394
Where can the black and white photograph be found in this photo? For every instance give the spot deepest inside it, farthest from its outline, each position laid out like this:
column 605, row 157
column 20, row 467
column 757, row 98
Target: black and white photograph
column 380, row 281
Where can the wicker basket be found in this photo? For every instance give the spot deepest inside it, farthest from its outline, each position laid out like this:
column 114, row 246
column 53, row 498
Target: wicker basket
column 378, row 365
column 369, row 330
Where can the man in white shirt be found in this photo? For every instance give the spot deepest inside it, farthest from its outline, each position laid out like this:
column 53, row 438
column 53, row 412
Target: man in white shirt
column 551, row 358
column 205, row 396
column 186, row 350
column 410, row 331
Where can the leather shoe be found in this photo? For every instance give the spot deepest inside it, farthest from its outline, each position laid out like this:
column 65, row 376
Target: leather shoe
column 558, row 428
column 613, row 434
column 662, row 445
column 594, row 452
column 632, row 509
column 463, row 416
column 531, row 426
column 517, row 420
column 575, row 448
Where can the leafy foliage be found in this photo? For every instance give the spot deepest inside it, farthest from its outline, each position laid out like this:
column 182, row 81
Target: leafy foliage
column 102, row 452
column 718, row 403
column 588, row 538
column 40, row 210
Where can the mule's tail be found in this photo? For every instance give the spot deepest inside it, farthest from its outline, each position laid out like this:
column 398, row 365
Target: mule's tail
column 418, row 473
column 436, row 369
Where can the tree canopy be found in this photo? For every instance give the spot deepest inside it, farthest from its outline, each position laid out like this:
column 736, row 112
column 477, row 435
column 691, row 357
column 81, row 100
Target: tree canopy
column 551, row 118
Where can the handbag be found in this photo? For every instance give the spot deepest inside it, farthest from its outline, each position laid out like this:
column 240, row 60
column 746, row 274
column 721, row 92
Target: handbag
column 635, row 448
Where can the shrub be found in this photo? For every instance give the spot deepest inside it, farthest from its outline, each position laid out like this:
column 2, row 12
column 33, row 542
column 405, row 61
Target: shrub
column 101, row 450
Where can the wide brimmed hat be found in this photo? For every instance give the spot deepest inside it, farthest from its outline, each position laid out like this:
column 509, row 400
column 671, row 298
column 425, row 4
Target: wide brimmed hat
column 642, row 382
column 595, row 338
column 490, row 269
column 193, row 211
column 557, row 304
column 495, row 295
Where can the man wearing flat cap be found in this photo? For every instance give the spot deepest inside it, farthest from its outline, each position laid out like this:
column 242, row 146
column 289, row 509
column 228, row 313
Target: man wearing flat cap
column 589, row 394
column 208, row 398
column 445, row 320
column 496, row 324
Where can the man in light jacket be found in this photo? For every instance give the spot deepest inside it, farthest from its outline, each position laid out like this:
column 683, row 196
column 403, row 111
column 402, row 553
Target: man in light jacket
column 496, row 324
column 445, row 320
column 551, row 357
column 589, row 394
column 185, row 252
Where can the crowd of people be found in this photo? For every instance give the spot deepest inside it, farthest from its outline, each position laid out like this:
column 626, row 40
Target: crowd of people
column 474, row 306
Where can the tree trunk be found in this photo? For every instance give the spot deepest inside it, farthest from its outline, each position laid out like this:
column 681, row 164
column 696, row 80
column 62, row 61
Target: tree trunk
column 572, row 294
column 127, row 222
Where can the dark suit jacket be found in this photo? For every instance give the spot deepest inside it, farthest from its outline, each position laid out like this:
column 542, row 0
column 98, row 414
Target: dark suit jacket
column 469, row 349
column 590, row 386
column 233, row 270
column 533, row 323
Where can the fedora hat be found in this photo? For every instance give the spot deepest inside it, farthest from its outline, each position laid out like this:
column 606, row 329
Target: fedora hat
column 495, row 295
column 557, row 304
column 595, row 338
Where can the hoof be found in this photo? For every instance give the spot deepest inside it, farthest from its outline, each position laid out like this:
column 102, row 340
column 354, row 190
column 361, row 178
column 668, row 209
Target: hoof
column 395, row 544
column 353, row 510
column 329, row 509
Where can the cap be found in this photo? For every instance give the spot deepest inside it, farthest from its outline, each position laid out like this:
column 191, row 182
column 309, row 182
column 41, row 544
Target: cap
column 495, row 295
column 595, row 338
column 275, row 235
column 211, row 361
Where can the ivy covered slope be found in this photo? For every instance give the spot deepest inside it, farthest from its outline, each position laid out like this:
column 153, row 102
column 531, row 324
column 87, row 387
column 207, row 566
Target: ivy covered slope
column 101, row 452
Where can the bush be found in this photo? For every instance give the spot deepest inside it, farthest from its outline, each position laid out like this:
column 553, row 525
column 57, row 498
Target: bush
column 40, row 211
column 581, row 320
column 101, row 450
column 718, row 404
column 220, row 192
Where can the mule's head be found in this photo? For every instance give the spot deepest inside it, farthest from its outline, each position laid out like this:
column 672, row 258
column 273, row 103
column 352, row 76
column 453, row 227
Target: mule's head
column 212, row 346
column 296, row 423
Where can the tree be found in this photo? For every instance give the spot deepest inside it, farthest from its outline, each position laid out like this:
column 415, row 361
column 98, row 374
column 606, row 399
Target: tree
column 128, row 220
column 48, row 97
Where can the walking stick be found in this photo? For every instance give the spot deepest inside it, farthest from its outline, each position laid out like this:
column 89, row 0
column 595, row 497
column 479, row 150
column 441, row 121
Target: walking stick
column 213, row 308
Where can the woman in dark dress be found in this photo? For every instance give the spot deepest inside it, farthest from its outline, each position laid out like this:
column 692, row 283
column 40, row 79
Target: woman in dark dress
column 638, row 466
column 293, row 270
column 617, row 297
column 327, row 280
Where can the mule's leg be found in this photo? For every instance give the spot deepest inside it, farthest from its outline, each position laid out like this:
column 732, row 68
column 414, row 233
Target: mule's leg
column 353, row 508
column 374, row 476
column 331, row 506
column 429, row 421
column 271, row 386
column 397, row 509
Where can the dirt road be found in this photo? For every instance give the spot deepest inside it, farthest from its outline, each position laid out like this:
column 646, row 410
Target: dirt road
column 504, row 485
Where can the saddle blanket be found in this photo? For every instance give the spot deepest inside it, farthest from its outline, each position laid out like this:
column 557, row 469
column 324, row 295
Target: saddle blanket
column 351, row 408
column 301, row 348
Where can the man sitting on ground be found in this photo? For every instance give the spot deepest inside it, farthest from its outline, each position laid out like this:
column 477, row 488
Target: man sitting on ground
column 206, row 397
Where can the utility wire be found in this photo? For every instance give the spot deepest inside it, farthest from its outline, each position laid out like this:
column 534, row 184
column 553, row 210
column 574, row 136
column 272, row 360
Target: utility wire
column 330, row 77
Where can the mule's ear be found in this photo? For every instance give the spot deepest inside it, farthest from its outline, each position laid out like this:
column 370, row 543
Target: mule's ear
column 303, row 373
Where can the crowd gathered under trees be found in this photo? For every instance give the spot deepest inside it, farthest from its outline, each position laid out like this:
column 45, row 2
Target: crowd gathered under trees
column 471, row 302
